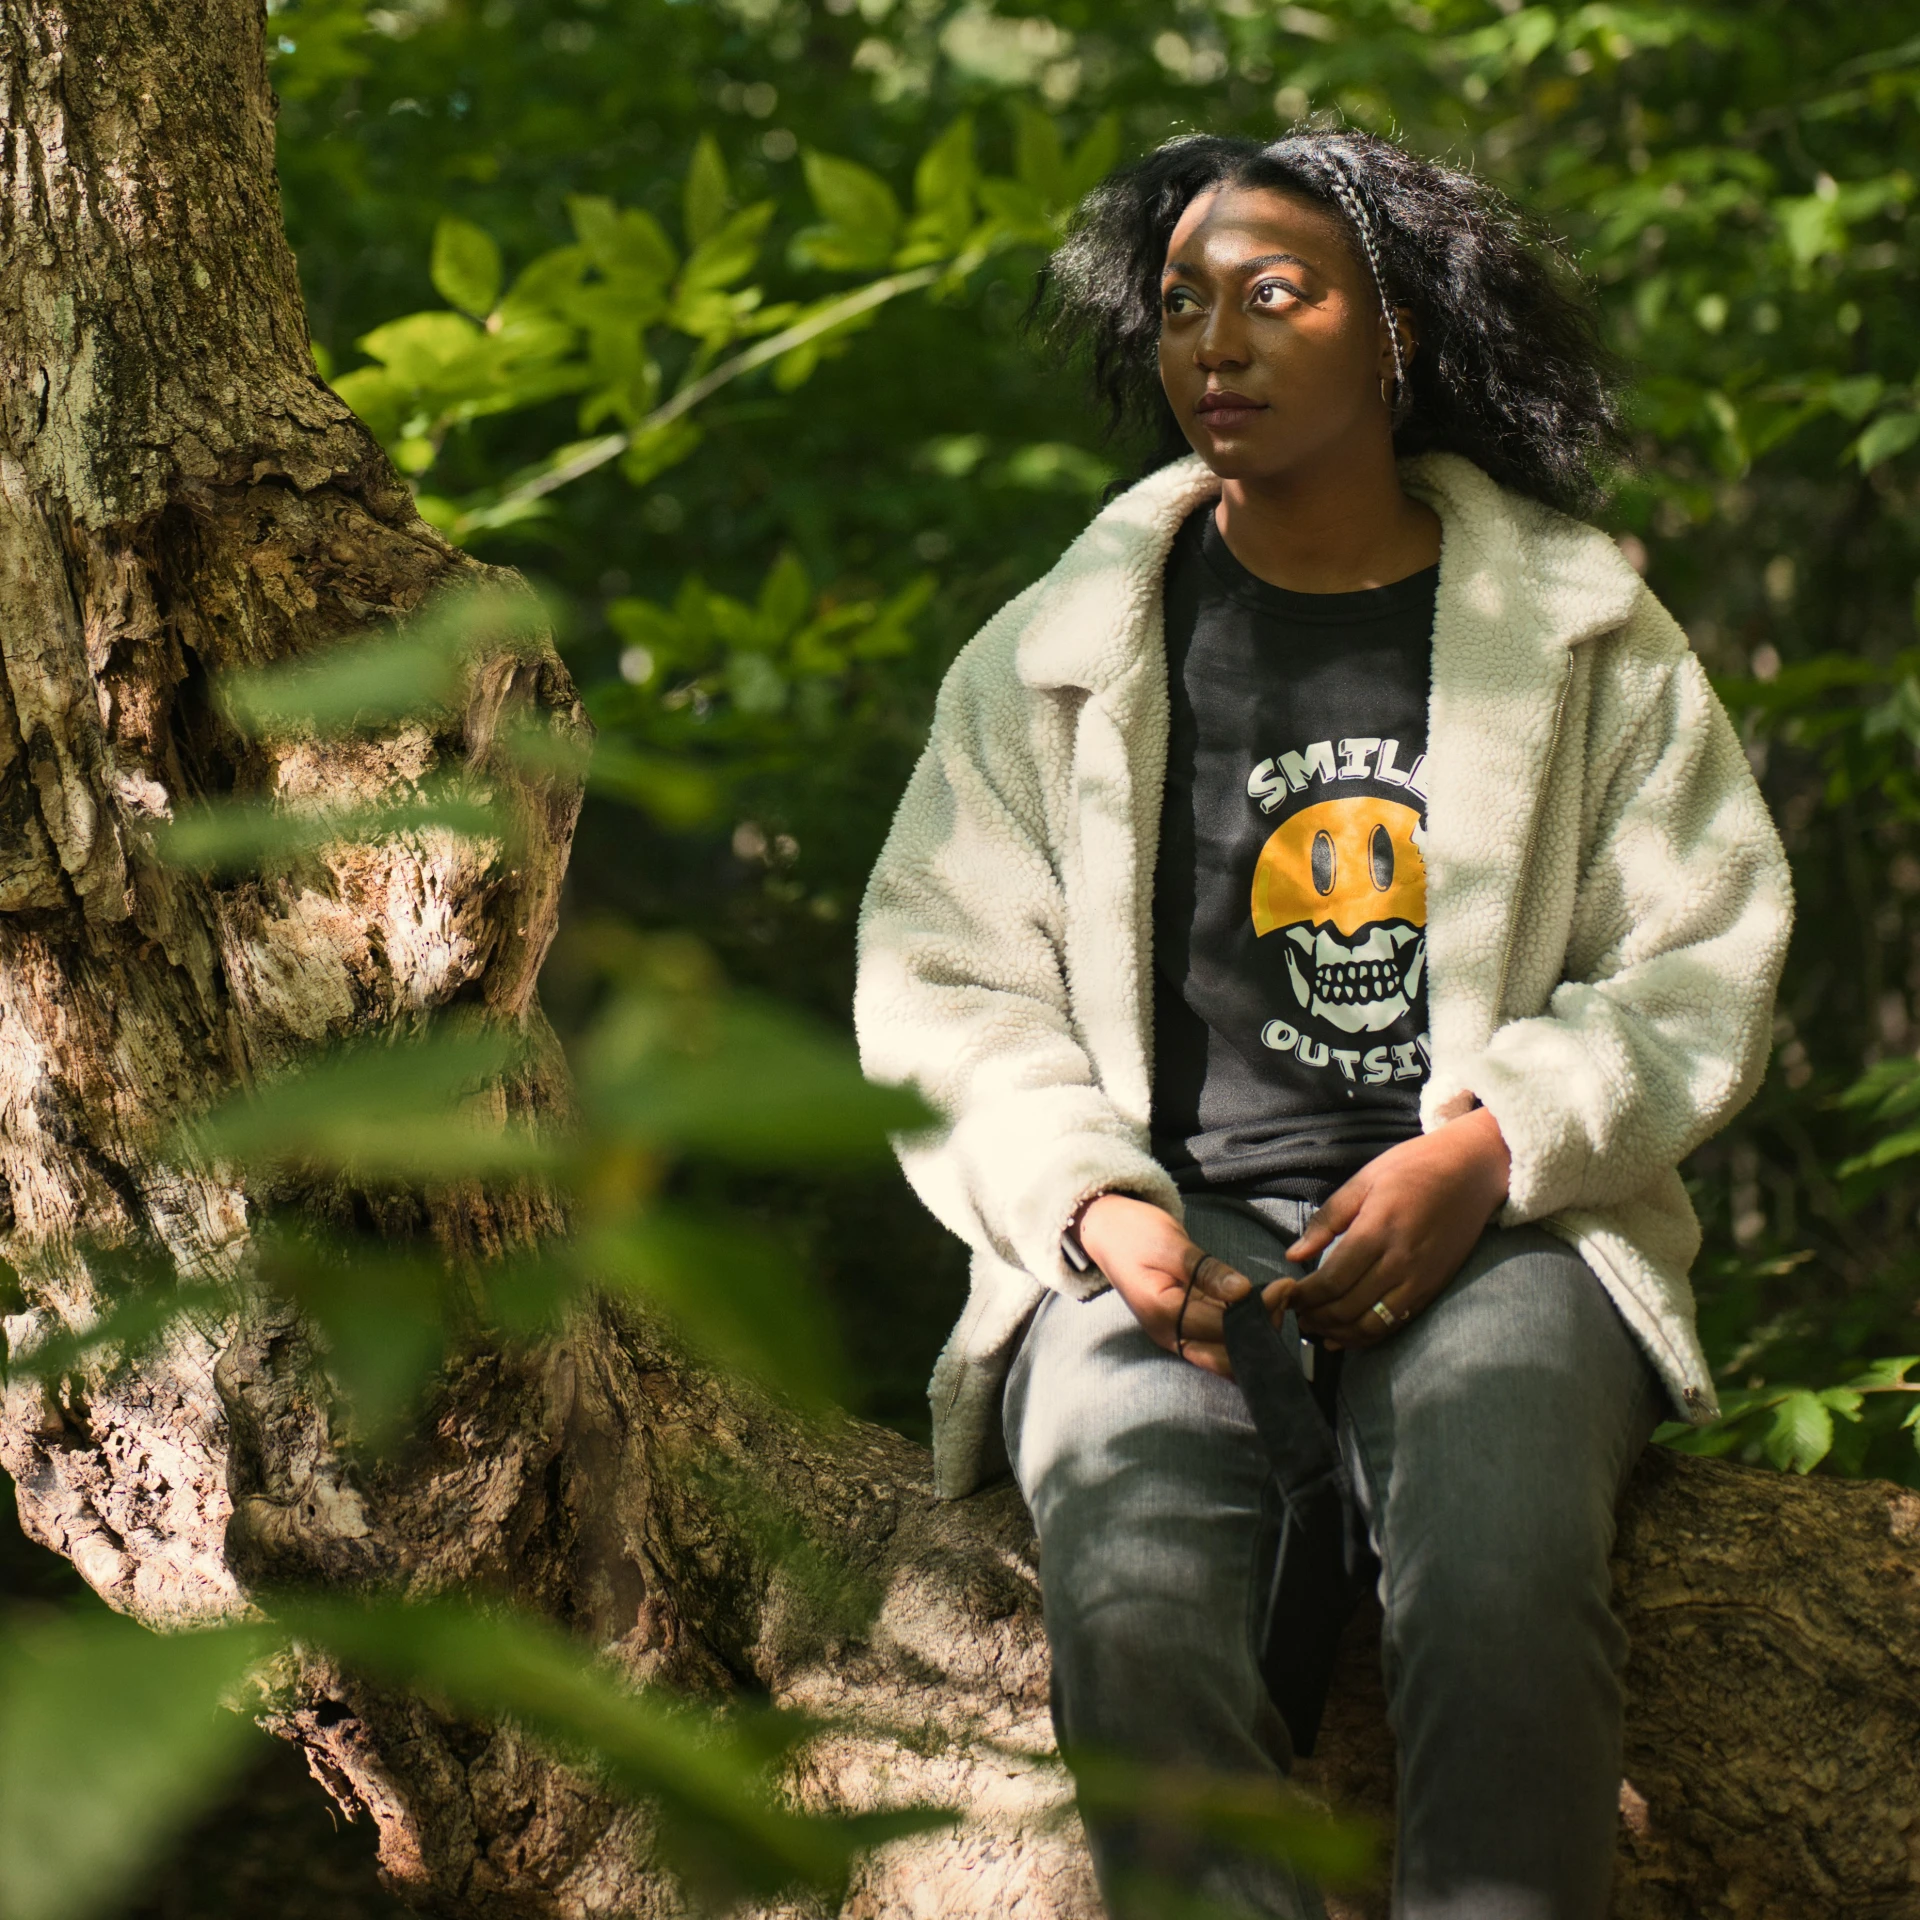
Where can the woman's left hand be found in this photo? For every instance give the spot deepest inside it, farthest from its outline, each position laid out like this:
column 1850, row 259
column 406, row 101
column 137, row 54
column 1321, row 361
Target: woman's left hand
column 1406, row 1223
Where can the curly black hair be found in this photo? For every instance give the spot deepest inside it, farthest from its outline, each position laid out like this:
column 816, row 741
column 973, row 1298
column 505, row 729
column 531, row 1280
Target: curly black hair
column 1510, row 370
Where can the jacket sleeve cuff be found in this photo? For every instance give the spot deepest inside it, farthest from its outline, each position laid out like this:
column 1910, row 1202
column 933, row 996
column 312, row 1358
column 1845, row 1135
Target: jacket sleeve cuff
column 1059, row 1261
column 1031, row 1160
column 1547, row 1147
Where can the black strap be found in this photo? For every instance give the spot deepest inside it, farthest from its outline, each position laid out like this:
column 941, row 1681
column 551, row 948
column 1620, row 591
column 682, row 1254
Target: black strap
column 1321, row 1563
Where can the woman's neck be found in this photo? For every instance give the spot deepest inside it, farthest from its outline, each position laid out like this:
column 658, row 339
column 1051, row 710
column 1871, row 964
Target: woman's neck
column 1339, row 527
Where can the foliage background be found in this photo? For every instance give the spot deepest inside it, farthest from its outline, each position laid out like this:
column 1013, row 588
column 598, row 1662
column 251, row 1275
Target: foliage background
column 761, row 611
column 1736, row 180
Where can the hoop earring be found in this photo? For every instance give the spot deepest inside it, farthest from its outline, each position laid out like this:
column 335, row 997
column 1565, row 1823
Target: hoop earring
column 1386, row 398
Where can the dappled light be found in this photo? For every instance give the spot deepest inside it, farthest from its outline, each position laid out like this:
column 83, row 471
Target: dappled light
column 462, row 657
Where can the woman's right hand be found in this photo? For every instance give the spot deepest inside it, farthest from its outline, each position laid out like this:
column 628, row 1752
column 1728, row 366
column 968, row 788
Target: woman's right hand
column 1152, row 1265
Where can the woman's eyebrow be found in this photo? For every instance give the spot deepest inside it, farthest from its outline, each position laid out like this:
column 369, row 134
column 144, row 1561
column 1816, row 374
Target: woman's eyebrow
column 1193, row 270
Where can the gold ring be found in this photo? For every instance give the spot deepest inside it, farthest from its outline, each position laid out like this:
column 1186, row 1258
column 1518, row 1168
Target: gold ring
column 1387, row 1316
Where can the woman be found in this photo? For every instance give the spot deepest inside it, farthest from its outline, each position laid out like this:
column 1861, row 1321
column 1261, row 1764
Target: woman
column 1338, row 859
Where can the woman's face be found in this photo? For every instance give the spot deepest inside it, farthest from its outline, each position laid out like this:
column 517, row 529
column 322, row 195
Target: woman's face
column 1272, row 343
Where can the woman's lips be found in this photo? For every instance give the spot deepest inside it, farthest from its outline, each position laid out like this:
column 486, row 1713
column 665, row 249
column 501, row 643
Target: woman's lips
column 1226, row 411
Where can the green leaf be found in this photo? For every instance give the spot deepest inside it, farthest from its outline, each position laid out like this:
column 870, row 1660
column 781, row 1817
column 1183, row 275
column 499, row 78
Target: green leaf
column 1856, row 397
column 1886, row 1374
column 395, row 674
column 1040, row 162
column 1055, row 466
column 240, row 836
column 129, row 1325
column 1094, row 158
column 721, row 1826
column 862, row 217
column 546, row 285
column 1892, row 433
column 1019, row 213
column 412, row 1110
column 332, row 34
column 797, row 366
column 889, row 633
column 953, row 455
column 785, row 595
column 1811, row 227
column 111, row 1738
column 380, row 1318
column 726, row 255
column 733, row 1292
column 1800, row 1434
column 707, row 193
column 837, row 1599
column 654, row 449
column 741, row 1081
column 1265, row 1817
column 419, row 349
column 942, row 197
column 677, row 793
column 1883, row 1153
column 1888, row 1087
column 368, row 685
column 377, row 397
column 758, row 687
column 625, row 242
column 465, row 266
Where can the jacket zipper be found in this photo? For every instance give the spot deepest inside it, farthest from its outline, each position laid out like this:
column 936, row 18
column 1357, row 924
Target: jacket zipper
column 1533, row 839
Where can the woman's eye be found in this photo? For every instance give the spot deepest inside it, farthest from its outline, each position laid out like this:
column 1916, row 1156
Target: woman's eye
column 1270, row 293
column 1179, row 300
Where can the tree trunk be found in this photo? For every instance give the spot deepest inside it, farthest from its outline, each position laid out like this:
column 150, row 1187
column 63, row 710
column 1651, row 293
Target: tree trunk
column 179, row 495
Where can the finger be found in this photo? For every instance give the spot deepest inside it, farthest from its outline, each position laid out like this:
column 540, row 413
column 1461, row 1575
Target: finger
column 1210, row 1357
column 1348, row 1316
column 1213, row 1279
column 1340, row 1270
column 1277, row 1298
column 1356, row 1324
column 1386, row 1276
column 1204, row 1320
column 1180, row 1312
column 1365, row 1330
column 1331, row 1220
column 1355, row 1321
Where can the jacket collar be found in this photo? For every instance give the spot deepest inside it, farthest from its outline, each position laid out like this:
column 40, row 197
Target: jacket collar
column 1508, row 565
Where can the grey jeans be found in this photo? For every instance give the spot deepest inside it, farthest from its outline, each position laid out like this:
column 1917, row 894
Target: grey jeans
column 1489, row 1439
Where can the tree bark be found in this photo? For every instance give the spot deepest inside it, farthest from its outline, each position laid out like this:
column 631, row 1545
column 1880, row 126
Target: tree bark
column 179, row 495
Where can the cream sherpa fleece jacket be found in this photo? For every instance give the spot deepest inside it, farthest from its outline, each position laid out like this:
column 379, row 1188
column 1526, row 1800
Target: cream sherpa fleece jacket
column 1608, row 908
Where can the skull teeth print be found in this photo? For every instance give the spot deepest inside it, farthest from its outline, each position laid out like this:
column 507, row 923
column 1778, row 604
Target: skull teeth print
column 1360, row 986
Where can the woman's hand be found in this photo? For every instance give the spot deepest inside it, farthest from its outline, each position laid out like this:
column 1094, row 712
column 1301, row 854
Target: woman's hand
column 1152, row 1265
column 1408, row 1220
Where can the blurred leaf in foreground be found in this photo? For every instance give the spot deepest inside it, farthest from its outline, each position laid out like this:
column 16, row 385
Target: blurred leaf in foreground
column 722, row 1826
column 740, row 1298
column 391, row 674
column 110, row 1737
column 129, row 1324
column 1251, row 1814
column 380, row 1313
column 410, row 1110
column 738, row 1079
column 237, row 836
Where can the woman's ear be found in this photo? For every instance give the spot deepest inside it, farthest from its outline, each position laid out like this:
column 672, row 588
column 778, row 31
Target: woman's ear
column 1408, row 335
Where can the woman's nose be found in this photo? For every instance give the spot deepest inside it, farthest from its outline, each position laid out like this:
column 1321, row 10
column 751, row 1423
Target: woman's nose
column 1220, row 345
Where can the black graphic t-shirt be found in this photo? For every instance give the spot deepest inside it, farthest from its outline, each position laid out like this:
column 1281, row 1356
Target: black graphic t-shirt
column 1290, row 902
